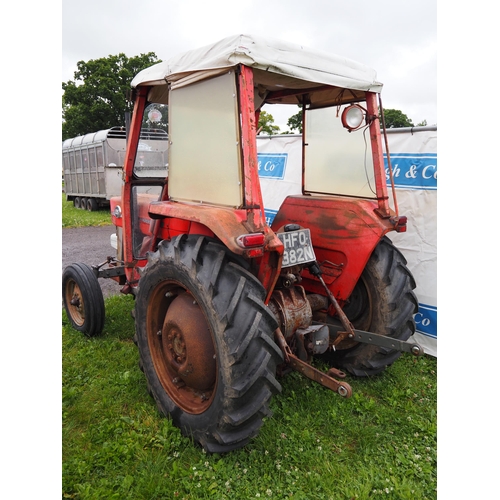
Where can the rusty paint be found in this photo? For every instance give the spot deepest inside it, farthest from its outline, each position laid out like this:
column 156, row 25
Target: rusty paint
column 292, row 308
column 344, row 232
column 132, row 142
column 182, row 348
column 187, row 343
column 226, row 223
column 253, row 194
column 74, row 299
column 269, row 265
column 342, row 388
column 378, row 157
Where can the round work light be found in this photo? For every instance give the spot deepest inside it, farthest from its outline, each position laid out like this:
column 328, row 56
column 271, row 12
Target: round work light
column 353, row 117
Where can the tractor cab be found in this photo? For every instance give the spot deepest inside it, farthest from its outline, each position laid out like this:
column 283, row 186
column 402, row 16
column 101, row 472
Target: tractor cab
column 209, row 101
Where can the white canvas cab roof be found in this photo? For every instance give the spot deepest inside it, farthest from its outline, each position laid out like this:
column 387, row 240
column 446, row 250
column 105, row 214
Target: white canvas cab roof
column 277, row 65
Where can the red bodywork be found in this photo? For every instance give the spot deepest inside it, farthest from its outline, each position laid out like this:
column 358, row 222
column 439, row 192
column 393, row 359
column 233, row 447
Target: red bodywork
column 344, row 234
column 344, row 230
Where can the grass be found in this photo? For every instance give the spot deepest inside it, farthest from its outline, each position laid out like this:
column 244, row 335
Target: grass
column 381, row 443
column 75, row 217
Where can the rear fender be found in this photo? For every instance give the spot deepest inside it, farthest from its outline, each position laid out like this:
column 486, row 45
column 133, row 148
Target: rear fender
column 344, row 232
column 227, row 224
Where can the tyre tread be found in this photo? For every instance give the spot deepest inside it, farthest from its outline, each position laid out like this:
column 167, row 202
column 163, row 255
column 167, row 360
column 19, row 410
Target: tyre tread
column 250, row 357
column 389, row 264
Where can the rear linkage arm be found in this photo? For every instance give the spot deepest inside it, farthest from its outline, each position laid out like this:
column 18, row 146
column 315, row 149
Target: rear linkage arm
column 325, row 379
column 359, row 335
column 348, row 331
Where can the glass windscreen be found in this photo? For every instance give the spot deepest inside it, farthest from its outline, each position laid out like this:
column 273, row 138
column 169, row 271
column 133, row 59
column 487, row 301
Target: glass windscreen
column 152, row 151
column 337, row 161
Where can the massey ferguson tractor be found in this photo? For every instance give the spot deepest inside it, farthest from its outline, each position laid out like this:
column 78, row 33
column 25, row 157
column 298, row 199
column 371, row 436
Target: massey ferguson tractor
column 225, row 304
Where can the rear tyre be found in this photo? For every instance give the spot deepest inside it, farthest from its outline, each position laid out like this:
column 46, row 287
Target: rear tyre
column 76, row 202
column 382, row 302
column 205, row 339
column 91, row 204
column 83, row 203
column 83, row 299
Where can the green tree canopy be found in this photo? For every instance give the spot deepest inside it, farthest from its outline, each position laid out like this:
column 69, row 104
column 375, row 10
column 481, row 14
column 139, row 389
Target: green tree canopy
column 96, row 98
column 394, row 118
column 266, row 124
column 295, row 122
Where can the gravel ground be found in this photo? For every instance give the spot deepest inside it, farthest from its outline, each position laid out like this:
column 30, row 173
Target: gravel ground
column 89, row 245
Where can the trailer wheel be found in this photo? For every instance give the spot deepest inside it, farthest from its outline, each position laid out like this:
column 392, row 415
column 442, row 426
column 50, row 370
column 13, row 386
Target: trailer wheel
column 91, row 204
column 76, row 202
column 83, row 203
column 83, row 299
column 205, row 340
column 382, row 302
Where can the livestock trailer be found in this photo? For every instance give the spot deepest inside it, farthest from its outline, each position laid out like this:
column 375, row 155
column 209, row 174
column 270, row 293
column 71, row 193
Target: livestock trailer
column 93, row 164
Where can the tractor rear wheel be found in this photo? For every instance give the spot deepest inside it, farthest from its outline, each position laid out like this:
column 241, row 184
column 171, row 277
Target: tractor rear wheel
column 382, row 302
column 83, row 299
column 205, row 339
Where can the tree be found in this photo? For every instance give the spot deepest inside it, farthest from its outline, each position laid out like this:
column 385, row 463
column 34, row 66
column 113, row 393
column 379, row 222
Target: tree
column 96, row 98
column 266, row 124
column 394, row 118
column 295, row 122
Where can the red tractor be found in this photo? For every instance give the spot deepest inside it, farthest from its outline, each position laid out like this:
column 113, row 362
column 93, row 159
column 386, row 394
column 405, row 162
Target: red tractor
column 224, row 302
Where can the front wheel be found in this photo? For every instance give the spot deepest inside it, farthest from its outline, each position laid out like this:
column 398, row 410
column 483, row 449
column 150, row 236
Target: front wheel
column 382, row 302
column 205, row 340
column 83, row 299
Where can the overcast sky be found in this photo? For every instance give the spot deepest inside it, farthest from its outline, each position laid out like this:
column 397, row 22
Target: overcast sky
column 396, row 38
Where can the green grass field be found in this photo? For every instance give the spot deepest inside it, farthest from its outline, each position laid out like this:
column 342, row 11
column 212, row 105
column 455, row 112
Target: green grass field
column 75, row 217
column 381, row 443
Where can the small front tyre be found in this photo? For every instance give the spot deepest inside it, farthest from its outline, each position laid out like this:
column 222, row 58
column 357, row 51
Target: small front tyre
column 83, row 299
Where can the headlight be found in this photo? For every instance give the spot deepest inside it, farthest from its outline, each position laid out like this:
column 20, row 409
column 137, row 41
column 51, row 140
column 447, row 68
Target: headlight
column 353, row 117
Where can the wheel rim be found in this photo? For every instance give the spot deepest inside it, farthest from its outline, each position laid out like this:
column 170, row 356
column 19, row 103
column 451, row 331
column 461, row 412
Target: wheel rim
column 74, row 302
column 182, row 348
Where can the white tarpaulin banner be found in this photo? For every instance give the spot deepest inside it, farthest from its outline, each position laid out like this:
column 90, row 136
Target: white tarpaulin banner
column 414, row 163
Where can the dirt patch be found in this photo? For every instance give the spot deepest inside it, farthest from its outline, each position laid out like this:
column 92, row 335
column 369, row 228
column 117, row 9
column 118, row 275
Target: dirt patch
column 89, row 245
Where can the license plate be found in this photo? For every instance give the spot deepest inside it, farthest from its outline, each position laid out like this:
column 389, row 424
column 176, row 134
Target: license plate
column 298, row 247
